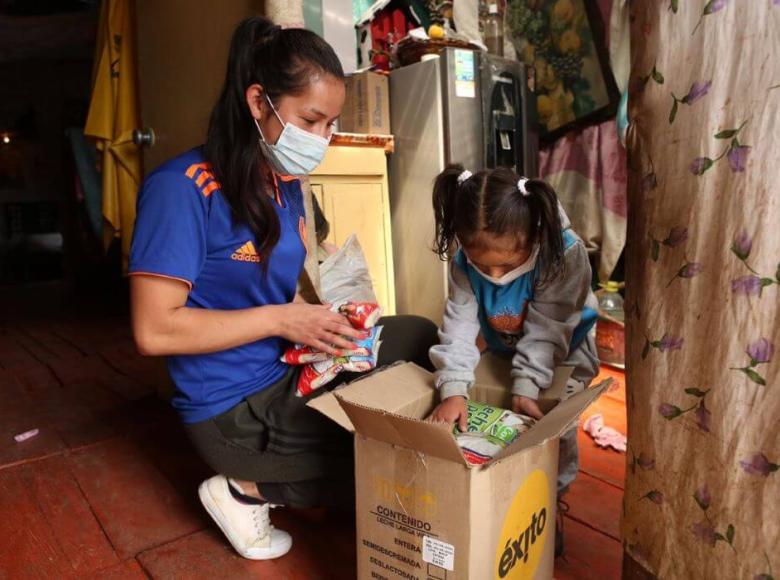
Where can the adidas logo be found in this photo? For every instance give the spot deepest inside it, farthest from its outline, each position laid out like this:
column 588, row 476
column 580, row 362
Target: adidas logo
column 246, row 253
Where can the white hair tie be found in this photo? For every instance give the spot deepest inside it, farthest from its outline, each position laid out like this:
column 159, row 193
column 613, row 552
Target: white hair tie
column 521, row 186
column 464, row 175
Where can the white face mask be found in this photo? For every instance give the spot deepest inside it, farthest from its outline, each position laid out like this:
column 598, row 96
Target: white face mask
column 296, row 152
column 513, row 274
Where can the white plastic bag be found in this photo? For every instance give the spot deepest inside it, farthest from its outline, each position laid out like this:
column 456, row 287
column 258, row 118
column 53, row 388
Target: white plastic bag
column 344, row 276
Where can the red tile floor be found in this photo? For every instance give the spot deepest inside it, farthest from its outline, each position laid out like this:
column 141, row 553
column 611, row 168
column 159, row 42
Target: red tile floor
column 108, row 487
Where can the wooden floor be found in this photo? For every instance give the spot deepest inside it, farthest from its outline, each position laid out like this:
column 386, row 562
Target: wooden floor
column 108, row 487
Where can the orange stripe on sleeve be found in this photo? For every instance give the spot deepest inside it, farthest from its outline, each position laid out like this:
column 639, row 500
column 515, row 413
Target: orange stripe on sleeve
column 203, row 177
column 212, row 185
column 277, row 191
column 193, row 169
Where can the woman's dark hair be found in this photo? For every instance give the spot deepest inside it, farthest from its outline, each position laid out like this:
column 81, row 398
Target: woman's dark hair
column 321, row 225
column 283, row 62
column 491, row 202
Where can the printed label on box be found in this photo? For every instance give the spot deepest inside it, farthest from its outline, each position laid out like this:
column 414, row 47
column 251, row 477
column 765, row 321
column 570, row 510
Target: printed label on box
column 465, row 85
column 438, row 553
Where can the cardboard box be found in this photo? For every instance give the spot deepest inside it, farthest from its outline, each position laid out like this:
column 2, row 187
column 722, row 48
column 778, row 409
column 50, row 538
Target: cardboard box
column 422, row 511
column 367, row 104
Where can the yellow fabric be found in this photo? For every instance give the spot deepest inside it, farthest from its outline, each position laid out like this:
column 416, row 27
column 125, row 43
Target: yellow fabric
column 113, row 114
column 703, row 290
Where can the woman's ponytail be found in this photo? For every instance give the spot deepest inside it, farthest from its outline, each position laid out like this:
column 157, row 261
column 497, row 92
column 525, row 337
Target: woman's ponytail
column 249, row 36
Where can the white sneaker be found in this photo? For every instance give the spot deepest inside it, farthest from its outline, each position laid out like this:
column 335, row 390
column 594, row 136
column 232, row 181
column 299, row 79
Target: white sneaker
column 247, row 527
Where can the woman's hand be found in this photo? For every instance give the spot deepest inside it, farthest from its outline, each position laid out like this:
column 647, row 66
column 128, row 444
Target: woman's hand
column 452, row 410
column 526, row 406
column 316, row 326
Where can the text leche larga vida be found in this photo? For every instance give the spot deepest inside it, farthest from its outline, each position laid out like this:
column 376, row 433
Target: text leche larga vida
column 402, row 521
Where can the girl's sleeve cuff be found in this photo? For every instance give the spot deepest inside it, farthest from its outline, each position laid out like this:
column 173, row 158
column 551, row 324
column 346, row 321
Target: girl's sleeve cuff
column 454, row 389
column 525, row 388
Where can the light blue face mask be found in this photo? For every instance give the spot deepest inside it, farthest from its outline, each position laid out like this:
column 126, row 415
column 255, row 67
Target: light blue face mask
column 296, row 152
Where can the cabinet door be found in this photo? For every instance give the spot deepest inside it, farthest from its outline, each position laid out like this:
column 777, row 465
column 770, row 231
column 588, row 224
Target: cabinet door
column 357, row 208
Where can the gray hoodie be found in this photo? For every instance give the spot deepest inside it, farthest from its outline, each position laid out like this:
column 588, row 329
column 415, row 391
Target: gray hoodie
column 553, row 314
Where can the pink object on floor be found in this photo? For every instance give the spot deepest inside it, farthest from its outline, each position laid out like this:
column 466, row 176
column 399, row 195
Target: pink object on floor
column 604, row 436
column 26, row 435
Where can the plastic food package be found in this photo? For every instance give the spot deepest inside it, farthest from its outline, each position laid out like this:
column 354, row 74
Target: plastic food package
column 490, row 429
column 361, row 315
column 344, row 276
column 322, row 371
column 301, row 355
column 315, row 375
column 321, row 368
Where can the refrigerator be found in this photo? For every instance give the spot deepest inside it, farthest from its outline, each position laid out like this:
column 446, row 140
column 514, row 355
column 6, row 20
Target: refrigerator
column 466, row 107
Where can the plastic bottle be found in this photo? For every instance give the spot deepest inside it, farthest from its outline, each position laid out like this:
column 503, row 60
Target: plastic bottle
column 482, row 12
column 610, row 329
column 493, row 31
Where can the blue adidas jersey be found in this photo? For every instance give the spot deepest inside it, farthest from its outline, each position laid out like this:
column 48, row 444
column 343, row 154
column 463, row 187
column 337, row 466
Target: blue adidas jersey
column 184, row 230
column 502, row 309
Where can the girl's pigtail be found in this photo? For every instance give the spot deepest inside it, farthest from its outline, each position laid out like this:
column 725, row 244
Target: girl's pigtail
column 445, row 199
column 544, row 204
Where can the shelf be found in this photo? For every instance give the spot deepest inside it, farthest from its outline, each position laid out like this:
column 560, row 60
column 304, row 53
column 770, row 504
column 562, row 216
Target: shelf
column 386, row 142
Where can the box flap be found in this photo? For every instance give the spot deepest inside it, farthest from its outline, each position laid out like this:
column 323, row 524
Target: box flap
column 389, row 405
column 554, row 423
column 328, row 405
column 424, row 436
column 401, row 389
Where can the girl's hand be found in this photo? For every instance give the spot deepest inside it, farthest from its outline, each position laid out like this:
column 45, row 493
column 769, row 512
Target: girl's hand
column 526, row 406
column 316, row 326
column 452, row 410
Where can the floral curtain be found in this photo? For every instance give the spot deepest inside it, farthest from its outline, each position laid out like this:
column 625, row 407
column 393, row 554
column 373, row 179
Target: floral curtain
column 703, row 302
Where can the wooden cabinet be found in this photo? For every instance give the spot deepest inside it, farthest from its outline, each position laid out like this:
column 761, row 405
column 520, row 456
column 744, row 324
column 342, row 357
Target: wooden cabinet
column 351, row 187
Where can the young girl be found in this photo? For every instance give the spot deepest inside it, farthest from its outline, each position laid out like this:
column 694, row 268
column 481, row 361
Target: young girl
column 519, row 286
column 218, row 247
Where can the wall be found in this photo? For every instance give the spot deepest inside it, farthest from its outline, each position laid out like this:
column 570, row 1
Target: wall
column 339, row 30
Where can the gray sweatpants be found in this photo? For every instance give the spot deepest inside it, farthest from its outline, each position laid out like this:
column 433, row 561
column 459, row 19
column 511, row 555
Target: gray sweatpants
column 298, row 457
column 568, row 460
column 586, row 367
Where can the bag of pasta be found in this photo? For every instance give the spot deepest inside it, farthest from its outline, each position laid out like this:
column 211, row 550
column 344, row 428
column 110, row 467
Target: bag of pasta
column 490, row 429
